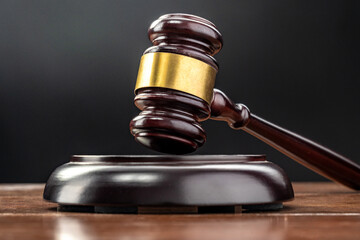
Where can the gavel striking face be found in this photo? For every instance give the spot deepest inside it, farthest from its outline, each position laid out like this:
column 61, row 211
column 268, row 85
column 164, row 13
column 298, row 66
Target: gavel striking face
column 175, row 92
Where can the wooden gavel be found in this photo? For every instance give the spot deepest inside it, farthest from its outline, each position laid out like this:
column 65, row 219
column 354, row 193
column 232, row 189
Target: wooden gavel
column 175, row 92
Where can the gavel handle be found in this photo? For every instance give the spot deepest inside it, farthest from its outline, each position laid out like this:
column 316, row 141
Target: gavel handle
column 308, row 153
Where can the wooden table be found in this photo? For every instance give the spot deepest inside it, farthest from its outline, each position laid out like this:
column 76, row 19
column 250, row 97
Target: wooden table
column 319, row 211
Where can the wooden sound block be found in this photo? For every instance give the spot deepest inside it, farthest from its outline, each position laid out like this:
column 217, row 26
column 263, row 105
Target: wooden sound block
column 174, row 184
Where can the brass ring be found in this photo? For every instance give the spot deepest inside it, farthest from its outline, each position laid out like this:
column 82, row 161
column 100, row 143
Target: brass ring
column 178, row 72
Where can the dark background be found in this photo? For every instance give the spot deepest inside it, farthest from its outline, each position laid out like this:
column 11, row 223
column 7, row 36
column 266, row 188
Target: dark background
column 68, row 69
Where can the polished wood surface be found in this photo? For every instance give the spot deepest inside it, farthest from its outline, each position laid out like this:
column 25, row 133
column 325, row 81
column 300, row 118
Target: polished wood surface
column 202, row 181
column 319, row 211
column 170, row 119
column 306, row 152
column 187, row 35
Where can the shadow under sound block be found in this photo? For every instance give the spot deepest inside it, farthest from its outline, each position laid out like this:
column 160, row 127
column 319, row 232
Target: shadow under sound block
column 168, row 184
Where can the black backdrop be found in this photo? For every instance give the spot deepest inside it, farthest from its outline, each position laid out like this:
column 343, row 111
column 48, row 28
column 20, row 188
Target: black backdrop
column 68, row 69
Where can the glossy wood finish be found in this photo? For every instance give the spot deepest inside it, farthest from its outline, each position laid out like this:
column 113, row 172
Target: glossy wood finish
column 187, row 35
column 310, row 154
column 170, row 120
column 124, row 183
column 319, row 211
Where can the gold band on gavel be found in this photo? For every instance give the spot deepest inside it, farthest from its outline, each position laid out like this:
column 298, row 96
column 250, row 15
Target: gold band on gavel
column 178, row 72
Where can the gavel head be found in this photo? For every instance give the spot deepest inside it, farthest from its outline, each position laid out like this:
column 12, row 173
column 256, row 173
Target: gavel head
column 174, row 87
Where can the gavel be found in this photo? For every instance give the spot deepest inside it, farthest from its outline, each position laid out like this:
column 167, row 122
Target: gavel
column 175, row 92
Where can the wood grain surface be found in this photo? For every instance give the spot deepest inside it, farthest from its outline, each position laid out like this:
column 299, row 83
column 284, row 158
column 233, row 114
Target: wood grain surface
column 319, row 211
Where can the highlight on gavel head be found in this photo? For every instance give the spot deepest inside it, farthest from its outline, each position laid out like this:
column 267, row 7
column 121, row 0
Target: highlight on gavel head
column 175, row 82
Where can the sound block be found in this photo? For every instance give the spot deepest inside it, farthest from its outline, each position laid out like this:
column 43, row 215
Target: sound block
column 173, row 184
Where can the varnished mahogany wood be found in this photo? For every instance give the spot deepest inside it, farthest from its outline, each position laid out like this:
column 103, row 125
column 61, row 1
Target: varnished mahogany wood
column 170, row 119
column 187, row 35
column 319, row 211
column 310, row 154
column 127, row 183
